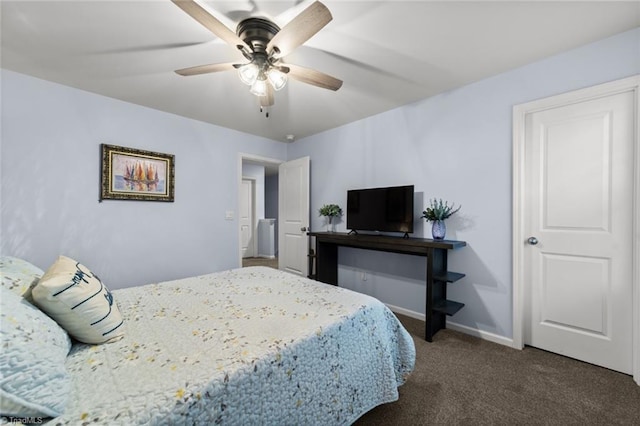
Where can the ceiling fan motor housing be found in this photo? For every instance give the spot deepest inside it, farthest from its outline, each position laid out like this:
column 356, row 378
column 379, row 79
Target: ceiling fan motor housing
column 257, row 32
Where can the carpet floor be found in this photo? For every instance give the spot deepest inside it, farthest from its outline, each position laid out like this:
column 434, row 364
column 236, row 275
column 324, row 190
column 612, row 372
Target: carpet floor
column 260, row 261
column 464, row 380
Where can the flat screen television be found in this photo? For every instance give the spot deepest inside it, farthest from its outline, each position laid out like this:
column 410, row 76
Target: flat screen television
column 380, row 209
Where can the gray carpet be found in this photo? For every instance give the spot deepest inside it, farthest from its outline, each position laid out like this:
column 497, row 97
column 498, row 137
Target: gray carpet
column 463, row 380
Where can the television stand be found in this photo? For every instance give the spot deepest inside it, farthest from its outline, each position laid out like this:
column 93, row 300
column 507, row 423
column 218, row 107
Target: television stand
column 355, row 232
column 437, row 307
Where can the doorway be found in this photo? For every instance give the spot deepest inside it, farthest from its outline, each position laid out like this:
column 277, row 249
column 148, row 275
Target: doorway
column 263, row 172
column 576, row 206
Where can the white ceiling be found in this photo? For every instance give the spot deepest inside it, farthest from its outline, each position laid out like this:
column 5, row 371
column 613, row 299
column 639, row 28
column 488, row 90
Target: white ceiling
column 388, row 53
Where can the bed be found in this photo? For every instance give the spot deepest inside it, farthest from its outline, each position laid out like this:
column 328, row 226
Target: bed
column 244, row 346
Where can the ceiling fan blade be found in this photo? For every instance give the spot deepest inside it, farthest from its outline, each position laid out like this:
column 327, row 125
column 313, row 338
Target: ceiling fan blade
column 205, row 69
column 316, row 78
column 210, row 22
column 267, row 100
column 299, row 29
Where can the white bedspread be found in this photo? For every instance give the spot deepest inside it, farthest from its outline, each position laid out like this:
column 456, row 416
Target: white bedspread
column 240, row 347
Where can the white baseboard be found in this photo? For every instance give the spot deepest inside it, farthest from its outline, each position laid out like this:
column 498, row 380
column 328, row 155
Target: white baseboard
column 406, row 312
column 484, row 335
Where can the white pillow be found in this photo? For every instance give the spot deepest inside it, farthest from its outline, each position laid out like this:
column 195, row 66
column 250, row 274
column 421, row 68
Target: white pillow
column 33, row 379
column 76, row 298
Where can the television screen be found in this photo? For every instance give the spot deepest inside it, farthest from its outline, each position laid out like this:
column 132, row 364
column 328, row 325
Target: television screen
column 381, row 209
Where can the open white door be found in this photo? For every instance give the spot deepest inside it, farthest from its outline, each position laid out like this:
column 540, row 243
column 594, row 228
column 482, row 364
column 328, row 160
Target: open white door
column 293, row 191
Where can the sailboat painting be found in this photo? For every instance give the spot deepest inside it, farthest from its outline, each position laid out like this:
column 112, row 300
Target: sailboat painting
column 138, row 175
column 133, row 174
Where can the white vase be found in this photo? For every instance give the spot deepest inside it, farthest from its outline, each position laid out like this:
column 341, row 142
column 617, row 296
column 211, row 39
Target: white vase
column 331, row 227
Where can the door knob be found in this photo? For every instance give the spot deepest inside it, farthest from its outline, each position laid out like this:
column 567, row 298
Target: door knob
column 303, row 229
column 532, row 241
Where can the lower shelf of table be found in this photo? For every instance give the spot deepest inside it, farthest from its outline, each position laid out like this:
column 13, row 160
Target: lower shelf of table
column 448, row 307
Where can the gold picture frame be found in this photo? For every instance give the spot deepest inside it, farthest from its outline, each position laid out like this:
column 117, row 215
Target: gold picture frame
column 135, row 174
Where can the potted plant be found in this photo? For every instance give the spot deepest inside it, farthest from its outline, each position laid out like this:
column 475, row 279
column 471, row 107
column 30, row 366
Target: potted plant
column 437, row 212
column 330, row 211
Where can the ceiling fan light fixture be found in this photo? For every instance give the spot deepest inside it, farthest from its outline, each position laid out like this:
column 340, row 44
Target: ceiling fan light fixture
column 277, row 78
column 259, row 87
column 248, row 74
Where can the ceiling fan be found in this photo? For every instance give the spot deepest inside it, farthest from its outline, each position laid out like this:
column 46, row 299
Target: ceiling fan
column 264, row 45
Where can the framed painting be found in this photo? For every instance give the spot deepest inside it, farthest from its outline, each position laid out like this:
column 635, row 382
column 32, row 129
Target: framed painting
column 134, row 174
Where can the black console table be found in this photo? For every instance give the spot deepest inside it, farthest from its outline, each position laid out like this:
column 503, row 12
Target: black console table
column 437, row 306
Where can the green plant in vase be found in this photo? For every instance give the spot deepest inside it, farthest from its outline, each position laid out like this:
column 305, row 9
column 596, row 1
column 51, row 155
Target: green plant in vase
column 330, row 211
column 437, row 212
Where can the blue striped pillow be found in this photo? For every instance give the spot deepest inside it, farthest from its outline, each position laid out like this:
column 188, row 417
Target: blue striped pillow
column 76, row 298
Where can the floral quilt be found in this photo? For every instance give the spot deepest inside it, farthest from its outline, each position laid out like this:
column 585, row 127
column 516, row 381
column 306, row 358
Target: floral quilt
column 241, row 347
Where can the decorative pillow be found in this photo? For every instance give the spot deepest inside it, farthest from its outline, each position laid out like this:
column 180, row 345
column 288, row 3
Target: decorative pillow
column 33, row 380
column 76, row 298
column 18, row 275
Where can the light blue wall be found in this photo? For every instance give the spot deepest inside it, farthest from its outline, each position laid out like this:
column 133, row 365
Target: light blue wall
column 457, row 146
column 50, row 184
